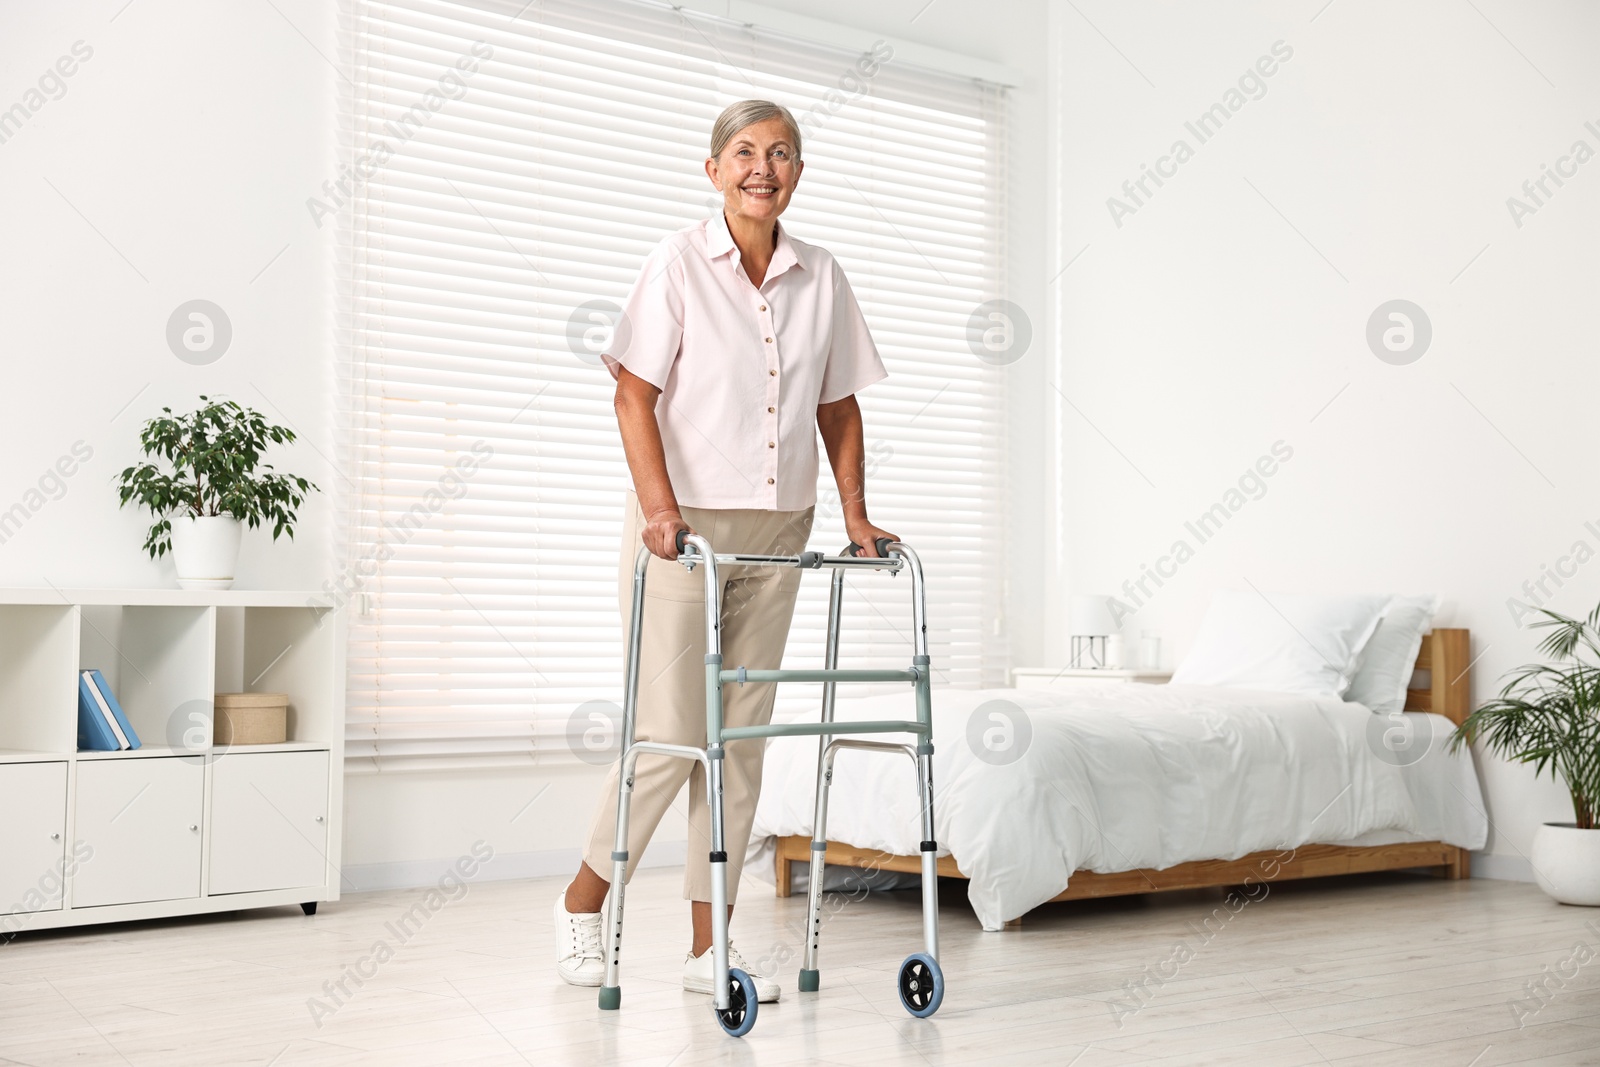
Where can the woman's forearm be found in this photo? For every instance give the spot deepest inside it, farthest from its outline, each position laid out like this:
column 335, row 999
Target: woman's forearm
column 641, row 443
column 844, row 437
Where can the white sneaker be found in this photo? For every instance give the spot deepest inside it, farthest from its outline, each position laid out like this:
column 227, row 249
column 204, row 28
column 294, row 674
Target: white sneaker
column 697, row 975
column 579, row 959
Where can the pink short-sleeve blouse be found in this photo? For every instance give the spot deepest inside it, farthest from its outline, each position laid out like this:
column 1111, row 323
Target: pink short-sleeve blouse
column 741, row 370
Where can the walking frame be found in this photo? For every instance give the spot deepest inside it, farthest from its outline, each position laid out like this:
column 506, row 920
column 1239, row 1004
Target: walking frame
column 920, row 983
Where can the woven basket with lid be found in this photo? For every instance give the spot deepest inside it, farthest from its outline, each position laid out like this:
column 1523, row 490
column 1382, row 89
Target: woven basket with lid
column 251, row 719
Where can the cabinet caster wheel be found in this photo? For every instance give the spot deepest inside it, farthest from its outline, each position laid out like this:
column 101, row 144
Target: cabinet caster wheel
column 921, row 985
column 309, row 907
column 739, row 1016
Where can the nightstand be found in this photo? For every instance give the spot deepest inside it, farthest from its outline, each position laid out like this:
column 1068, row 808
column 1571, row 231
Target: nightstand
column 1066, row 678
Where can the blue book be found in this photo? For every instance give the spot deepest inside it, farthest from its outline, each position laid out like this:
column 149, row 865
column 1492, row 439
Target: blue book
column 121, row 726
column 94, row 733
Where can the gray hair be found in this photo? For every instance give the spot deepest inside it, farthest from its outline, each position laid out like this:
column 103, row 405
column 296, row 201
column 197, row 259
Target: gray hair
column 736, row 117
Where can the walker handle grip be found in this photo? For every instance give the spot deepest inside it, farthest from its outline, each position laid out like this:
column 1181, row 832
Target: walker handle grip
column 881, row 544
column 682, row 541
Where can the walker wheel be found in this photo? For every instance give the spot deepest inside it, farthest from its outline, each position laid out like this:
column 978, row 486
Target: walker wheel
column 921, row 984
column 739, row 1016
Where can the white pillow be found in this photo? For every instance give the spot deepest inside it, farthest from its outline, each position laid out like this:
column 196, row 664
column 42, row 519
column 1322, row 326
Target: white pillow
column 1386, row 663
column 1284, row 642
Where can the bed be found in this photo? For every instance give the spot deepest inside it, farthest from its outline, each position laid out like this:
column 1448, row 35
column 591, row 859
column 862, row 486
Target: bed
column 1134, row 789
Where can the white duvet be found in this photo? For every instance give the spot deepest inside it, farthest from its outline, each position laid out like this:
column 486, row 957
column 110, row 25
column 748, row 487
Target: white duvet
column 1117, row 777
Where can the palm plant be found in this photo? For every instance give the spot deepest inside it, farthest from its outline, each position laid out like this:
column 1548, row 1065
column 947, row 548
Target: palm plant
column 1549, row 715
column 213, row 457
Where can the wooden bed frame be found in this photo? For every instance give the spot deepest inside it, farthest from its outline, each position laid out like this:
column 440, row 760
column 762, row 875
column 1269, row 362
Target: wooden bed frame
column 1445, row 655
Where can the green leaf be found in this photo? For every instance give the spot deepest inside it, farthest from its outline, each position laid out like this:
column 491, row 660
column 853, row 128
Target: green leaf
column 212, row 466
column 1548, row 715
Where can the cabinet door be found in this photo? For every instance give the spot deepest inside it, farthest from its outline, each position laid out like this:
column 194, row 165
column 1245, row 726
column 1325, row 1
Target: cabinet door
column 141, row 819
column 33, row 832
column 269, row 821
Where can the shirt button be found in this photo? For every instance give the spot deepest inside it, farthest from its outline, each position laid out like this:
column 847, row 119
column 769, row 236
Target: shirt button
column 769, row 481
column 763, row 307
column 771, row 445
column 773, row 373
column 769, row 340
column 771, row 411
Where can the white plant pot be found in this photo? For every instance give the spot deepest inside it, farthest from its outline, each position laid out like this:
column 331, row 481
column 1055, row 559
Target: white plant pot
column 205, row 550
column 1566, row 862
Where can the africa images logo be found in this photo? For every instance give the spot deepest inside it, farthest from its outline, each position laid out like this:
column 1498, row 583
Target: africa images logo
column 1252, row 85
column 51, row 85
column 451, row 85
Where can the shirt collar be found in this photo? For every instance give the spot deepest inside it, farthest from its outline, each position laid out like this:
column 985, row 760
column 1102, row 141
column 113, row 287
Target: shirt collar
column 719, row 242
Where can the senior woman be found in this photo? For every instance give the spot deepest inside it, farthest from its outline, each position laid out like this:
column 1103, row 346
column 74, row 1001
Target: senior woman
column 742, row 343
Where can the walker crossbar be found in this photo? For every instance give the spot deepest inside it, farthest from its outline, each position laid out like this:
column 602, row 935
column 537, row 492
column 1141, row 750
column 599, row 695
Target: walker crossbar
column 822, row 729
column 806, row 560
column 658, row 748
column 921, row 983
column 869, row 746
column 739, row 674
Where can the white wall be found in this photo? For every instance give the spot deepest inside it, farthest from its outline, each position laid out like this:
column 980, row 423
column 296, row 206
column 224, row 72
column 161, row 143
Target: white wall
column 1229, row 312
column 173, row 164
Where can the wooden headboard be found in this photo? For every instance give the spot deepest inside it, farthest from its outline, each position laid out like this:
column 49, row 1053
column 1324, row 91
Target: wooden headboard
column 1447, row 657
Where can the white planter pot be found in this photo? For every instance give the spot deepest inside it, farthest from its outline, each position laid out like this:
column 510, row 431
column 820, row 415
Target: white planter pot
column 1566, row 863
column 205, row 550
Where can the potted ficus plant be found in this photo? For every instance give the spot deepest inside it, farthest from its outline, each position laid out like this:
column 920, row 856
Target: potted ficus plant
column 209, row 482
column 1549, row 715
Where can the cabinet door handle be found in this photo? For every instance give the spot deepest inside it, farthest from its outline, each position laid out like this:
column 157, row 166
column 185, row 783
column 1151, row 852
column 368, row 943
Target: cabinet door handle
column 55, row 837
column 195, row 827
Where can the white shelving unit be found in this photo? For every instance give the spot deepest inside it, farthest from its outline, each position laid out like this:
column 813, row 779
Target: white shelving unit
column 178, row 826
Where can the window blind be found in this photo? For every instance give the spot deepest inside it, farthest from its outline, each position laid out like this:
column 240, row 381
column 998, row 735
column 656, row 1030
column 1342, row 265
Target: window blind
column 508, row 171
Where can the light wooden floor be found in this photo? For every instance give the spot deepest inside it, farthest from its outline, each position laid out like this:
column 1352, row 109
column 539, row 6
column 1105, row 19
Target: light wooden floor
column 1383, row 969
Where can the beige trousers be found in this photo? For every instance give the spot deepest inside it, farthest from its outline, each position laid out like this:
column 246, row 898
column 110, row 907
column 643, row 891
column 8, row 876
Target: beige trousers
column 757, row 606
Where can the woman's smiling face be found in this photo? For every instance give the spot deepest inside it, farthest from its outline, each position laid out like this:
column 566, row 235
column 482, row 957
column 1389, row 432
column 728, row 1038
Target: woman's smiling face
column 757, row 171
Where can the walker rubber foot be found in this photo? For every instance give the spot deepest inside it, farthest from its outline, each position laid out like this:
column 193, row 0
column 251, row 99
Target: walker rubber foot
column 610, row 997
column 810, row 981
